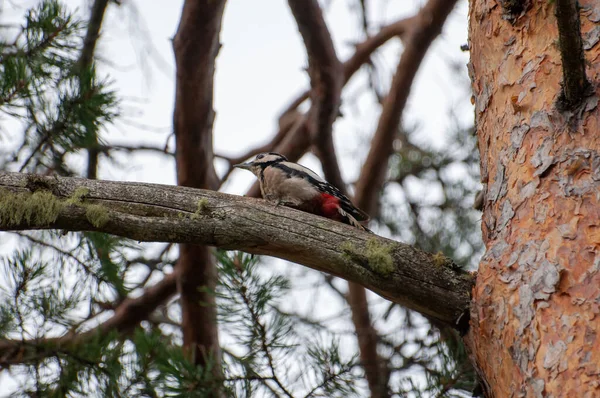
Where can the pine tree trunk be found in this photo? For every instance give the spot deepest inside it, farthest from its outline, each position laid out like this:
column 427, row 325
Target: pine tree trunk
column 534, row 321
column 196, row 45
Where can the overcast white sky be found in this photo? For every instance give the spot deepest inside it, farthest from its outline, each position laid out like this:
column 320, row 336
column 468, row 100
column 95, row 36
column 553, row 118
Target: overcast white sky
column 260, row 68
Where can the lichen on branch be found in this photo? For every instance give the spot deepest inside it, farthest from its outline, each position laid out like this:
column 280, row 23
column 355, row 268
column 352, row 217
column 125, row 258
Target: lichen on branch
column 38, row 208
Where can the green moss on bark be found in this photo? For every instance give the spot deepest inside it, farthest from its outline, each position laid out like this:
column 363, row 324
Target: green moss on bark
column 440, row 260
column 97, row 215
column 380, row 257
column 39, row 208
column 42, row 208
column 376, row 256
column 78, row 196
column 201, row 208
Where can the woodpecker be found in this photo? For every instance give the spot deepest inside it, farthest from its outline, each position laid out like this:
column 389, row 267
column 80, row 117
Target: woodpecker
column 292, row 185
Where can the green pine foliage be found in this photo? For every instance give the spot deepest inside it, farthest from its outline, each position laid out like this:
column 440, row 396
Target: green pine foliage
column 60, row 105
column 267, row 345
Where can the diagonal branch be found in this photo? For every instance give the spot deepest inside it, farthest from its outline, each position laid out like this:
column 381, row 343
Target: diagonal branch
column 150, row 212
column 326, row 80
column 362, row 53
column 295, row 143
column 427, row 26
column 575, row 83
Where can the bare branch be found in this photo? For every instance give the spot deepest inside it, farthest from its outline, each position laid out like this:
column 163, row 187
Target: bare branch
column 366, row 48
column 363, row 54
column 196, row 45
column 575, row 83
column 326, row 79
column 93, row 33
column 85, row 61
column 367, row 339
column 428, row 24
column 150, row 212
column 296, row 143
column 134, row 148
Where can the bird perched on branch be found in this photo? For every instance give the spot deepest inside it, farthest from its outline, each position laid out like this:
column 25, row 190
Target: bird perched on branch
column 296, row 186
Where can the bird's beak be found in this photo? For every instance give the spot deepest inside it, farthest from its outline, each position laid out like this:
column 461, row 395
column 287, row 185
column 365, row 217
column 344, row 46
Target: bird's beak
column 246, row 166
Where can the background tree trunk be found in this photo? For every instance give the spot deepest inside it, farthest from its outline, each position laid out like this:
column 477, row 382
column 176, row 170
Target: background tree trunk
column 196, row 45
column 534, row 320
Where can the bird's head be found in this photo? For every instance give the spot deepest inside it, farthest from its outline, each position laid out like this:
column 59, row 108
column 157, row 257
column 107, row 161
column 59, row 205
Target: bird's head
column 261, row 161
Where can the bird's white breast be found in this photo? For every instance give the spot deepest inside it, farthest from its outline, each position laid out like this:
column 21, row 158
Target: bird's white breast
column 277, row 185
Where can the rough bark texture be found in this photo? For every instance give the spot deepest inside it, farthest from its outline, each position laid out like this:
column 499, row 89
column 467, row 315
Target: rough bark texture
column 534, row 320
column 196, row 45
column 149, row 212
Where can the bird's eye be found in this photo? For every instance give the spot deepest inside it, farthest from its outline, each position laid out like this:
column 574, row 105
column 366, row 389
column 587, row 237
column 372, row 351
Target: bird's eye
column 260, row 156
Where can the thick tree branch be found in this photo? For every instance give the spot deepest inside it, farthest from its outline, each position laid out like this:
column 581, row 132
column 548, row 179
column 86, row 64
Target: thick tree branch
column 150, row 212
column 428, row 24
column 326, row 80
column 575, row 84
column 196, row 45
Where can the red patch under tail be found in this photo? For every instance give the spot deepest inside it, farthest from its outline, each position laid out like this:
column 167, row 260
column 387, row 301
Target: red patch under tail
column 330, row 207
